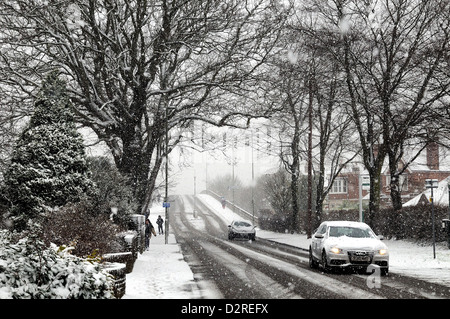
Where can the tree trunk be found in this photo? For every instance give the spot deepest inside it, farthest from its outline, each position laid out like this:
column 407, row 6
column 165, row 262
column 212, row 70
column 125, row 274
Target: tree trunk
column 375, row 189
column 320, row 198
column 135, row 163
column 295, row 205
column 396, row 195
column 310, row 186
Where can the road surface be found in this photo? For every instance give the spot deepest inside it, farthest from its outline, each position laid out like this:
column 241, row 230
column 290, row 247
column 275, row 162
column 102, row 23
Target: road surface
column 263, row 269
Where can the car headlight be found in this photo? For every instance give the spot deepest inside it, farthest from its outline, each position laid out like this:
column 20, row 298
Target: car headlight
column 336, row 250
column 383, row 252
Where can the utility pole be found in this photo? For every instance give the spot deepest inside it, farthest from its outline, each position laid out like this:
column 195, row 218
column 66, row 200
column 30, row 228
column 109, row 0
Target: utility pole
column 309, row 224
column 166, row 197
column 232, row 174
column 360, row 196
column 432, row 183
column 195, row 195
column 447, row 223
column 253, row 183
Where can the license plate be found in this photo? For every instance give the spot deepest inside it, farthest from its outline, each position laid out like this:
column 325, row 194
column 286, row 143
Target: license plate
column 360, row 259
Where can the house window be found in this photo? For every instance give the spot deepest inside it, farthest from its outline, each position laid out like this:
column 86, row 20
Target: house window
column 403, row 182
column 339, row 186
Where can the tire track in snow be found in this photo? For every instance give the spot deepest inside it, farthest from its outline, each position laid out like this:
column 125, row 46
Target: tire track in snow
column 250, row 276
column 317, row 282
column 327, row 283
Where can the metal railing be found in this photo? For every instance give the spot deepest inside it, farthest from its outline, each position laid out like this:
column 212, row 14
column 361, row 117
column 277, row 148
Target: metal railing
column 238, row 210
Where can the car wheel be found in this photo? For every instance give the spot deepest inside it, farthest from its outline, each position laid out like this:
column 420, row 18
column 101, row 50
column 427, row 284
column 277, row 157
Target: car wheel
column 230, row 237
column 384, row 271
column 312, row 262
column 325, row 262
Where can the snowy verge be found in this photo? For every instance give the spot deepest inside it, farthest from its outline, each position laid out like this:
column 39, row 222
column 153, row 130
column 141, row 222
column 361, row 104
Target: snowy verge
column 161, row 273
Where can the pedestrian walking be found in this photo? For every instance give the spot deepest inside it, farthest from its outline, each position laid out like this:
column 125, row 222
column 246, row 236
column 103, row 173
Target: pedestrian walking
column 149, row 230
column 160, row 222
column 223, row 201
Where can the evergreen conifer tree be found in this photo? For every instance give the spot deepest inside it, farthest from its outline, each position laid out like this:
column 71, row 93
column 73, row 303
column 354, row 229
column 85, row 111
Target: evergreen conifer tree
column 48, row 167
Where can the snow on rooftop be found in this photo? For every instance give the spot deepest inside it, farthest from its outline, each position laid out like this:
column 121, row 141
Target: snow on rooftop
column 440, row 194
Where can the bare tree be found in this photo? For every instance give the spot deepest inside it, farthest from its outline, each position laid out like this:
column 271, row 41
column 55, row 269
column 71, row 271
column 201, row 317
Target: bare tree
column 400, row 51
column 288, row 89
column 312, row 123
column 140, row 68
column 336, row 142
column 394, row 55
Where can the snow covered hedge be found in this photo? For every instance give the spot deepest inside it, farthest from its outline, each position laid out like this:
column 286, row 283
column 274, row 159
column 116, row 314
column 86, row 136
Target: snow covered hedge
column 412, row 222
column 29, row 269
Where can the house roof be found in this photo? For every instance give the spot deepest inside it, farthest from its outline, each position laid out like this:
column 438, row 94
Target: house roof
column 420, row 163
column 440, row 194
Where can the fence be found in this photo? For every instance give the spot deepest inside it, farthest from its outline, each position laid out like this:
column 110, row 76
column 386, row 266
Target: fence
column 238, row 210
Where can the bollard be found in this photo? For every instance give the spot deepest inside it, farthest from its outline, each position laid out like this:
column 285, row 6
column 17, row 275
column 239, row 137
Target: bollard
column 446, row 227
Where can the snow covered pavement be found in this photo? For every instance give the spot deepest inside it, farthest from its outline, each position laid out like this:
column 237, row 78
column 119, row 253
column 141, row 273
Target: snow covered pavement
column 161, row 273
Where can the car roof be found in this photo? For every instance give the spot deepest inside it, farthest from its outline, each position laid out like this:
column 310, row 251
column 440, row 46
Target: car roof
column 242, row 220
column 346, row 223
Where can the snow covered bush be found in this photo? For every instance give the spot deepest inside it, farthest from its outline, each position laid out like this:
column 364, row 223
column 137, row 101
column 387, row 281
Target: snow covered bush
column 30, row 270
column 48, row 165
column 84, row 226
column 411, row 222
column 113, row 191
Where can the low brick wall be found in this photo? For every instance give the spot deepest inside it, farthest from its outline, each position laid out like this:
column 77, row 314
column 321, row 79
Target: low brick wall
column 119, row 264
column 124, row 257
column 118, row 272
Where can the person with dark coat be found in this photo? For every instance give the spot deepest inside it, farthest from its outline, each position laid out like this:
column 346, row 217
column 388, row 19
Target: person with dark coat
column 149, row 230
column 160, row 222
column 223, row 201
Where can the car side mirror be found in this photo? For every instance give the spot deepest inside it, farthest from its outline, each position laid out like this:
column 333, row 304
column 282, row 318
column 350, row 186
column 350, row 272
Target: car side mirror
column 318, row 236
column 229, row 225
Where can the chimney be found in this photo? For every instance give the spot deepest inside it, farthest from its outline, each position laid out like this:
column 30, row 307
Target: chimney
column 433, row 156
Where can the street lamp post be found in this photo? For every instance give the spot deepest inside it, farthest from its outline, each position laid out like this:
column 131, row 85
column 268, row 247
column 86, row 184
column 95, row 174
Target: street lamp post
column 194, row 212
column 446, row 222
column 166, row 197
column 431, row 184
column 253, row 182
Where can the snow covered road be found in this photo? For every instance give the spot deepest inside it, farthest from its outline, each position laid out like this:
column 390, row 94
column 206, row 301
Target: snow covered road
column 219, row 268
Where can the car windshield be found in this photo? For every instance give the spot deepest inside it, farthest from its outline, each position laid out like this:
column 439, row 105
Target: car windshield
column 242, row 224
column 354, row 232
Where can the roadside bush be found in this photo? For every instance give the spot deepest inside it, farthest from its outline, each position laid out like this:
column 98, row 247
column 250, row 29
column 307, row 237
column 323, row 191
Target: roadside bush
column 82, row 226
column 414, row 222
column 113, row 191
column 31, row 270
column 275, row 222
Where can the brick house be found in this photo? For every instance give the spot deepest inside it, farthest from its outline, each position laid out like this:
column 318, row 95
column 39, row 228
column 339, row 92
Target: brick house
column 433, row 163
